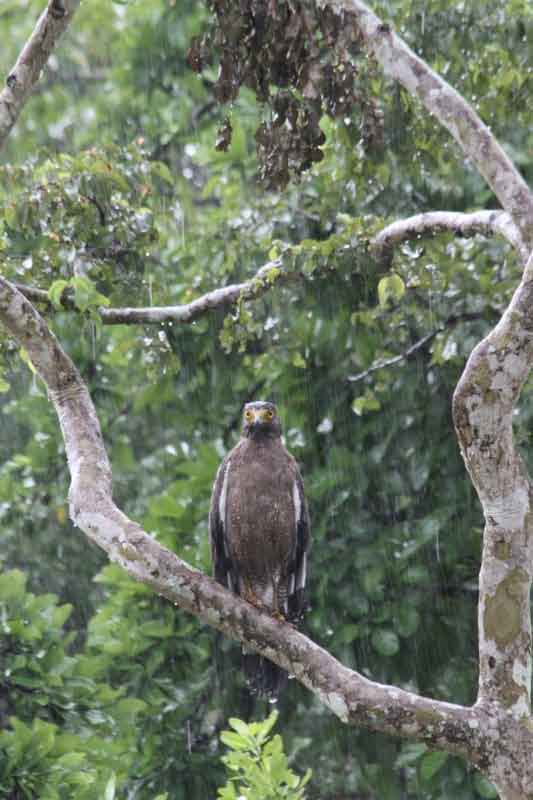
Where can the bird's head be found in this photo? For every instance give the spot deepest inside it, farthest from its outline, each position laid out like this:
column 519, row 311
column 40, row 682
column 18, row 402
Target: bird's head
column 260, row 419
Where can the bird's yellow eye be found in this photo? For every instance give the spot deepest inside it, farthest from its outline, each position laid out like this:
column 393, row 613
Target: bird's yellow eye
column 269, row 414
column 248, row 416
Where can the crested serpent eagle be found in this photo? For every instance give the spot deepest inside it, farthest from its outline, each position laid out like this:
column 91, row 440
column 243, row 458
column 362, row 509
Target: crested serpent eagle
column 259, row 530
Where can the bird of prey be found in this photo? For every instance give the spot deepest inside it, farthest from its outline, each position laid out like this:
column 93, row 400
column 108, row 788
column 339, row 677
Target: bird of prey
column 259, row 530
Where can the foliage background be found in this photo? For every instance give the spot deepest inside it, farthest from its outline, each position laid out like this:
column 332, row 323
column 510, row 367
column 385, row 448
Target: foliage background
column 112, row 174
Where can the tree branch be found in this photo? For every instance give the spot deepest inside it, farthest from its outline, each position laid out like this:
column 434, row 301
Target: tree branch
column 483, row 222
column 52, row 23
column 260, row 284
column 384, row 363
column 483, row 407
column 449, row 107
column 411, row 351
column 432, row 222
column 349, row 695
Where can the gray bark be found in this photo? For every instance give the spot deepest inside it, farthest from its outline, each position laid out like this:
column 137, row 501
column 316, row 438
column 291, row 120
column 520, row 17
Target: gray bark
column 21, row 80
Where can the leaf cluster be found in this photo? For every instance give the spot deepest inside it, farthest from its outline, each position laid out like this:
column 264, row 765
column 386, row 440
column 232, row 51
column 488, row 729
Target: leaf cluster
column 257, row 765
column 63, row 729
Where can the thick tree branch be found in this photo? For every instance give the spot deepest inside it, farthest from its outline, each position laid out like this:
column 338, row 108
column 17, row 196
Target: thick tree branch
column 353, row 698
column 52, row 23
column 483, row 222
column 263, row 280
column 432, row 222
column 449, row 107
column 483, row 407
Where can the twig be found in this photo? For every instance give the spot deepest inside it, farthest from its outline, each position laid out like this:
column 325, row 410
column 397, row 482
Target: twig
column 414, row 348
column 391, row 362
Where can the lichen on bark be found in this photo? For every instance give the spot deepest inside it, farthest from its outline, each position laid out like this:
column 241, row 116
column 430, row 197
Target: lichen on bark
column 503, row 610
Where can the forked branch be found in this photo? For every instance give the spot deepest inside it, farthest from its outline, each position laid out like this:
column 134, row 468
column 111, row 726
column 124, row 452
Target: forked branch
column 353, row 698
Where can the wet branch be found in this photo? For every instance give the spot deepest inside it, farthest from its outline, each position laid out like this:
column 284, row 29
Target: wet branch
column 448, row 107
column 411, row 351
column 353, row 698
column 483, row 407
column 272, row 273
column 262, row 282
column 52, row 23
column 395, row 360
column 433, row 222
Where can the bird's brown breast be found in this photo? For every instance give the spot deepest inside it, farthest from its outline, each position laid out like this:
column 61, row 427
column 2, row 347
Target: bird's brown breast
column 260, row 515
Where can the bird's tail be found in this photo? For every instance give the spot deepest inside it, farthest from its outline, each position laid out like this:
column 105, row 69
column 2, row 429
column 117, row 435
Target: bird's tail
column 263, row 677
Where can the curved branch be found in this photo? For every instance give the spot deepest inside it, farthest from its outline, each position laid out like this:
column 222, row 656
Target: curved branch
column 483, row 407
column 349, row 695
column 484, row 222
column 449, row 107
column 52, row 23
column 260, row 284
column 431, row 222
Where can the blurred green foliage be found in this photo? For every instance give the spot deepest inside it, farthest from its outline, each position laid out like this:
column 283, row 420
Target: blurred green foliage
column 111, row 192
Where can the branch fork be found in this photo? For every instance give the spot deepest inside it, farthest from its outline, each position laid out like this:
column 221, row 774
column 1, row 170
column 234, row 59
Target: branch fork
column 496, row 734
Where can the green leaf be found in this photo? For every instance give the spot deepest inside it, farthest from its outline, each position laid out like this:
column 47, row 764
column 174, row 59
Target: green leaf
column 484, row 787
column 410, row 753
column 85, row 294
column 234, row 740
column 156, row 628
column 12, row 585
column 408, row 620
column 239, row 726
column 161, row 170
column 55, row 291
column 391, row 289
column 70, row 761
column 368, row 402
column 431, row 763
column 385, row 642
column 23, row 353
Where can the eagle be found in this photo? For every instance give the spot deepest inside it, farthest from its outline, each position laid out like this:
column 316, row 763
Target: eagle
column 259, row 531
